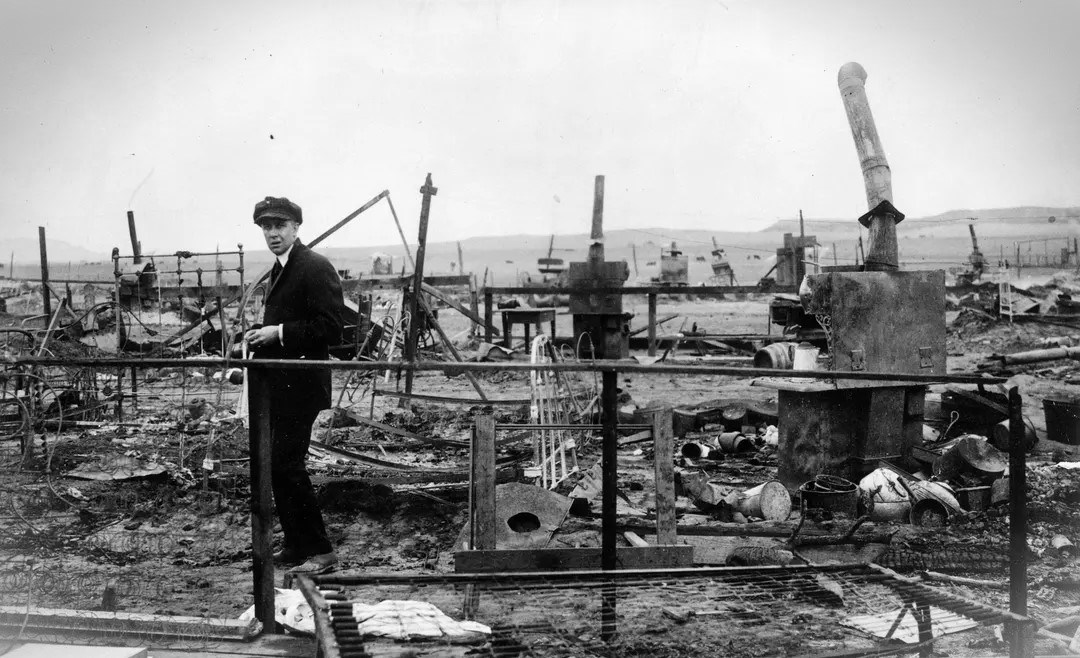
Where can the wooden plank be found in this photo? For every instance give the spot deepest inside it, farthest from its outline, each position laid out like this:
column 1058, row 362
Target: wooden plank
column 37, row 650
column 482, row 489
column 95, row 621
column 664, row 470
column 563, row 559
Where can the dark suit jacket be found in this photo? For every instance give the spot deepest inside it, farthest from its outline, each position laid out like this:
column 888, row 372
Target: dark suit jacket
column 306, row 299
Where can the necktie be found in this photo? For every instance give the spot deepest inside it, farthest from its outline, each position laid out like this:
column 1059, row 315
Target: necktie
column 275, row 272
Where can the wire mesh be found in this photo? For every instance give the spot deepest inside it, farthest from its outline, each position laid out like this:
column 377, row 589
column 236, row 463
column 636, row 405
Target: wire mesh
column 699, row 612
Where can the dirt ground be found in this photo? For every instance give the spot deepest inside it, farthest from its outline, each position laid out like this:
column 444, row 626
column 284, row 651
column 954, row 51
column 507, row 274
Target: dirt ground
column 178, row 541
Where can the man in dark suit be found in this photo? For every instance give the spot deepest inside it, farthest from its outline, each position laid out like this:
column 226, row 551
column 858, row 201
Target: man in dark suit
column 301, row 320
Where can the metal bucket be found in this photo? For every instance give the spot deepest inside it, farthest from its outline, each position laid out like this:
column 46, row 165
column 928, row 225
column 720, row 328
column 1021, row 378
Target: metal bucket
column 777, row 355
column 830, row 493
column 1062, row 418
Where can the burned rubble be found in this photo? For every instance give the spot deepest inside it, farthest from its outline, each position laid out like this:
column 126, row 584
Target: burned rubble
column 895, row 469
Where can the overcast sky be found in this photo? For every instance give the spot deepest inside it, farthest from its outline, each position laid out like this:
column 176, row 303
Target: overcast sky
column 702, row 114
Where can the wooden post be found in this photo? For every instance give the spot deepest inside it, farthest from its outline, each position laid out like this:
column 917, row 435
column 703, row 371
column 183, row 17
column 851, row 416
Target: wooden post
column 474, row 304
column 482, row 484
column 489, row 312
column 428, row 190
column 46, row 300
column 664, row 471
column 609, row 481
column 460, row 259
column 1017, row 507
column 835, row 261
column 262, row 520
column 652, row 324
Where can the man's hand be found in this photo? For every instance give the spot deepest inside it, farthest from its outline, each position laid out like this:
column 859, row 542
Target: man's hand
column 262, row 337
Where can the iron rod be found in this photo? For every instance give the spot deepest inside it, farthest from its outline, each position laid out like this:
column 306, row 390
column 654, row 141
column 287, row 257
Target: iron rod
column 1021, row 635
column 609, row 482
column 262, row 521
column 611, row 366
column 699, row 291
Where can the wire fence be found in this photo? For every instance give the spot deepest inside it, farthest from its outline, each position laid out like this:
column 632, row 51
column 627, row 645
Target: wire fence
column 859, row 610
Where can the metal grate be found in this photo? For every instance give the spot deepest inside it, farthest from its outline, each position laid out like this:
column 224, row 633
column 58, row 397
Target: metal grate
column 733, row 611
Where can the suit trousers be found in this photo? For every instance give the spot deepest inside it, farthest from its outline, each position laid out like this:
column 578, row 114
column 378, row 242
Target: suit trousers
column 294, row 495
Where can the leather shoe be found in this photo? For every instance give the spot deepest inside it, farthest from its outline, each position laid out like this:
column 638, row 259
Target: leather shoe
column 289, row 556
column 317, row 564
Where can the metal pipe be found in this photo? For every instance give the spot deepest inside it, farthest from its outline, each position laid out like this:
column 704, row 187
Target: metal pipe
column 1021, row 634
column 609, row 482
column 136, row 248
column 454, row 369
column 598, row 210
column 262, row 520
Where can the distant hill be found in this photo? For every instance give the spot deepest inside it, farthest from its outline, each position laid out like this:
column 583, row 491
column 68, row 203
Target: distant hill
column 1012, row 216
column 26, row 250
column 940, row 242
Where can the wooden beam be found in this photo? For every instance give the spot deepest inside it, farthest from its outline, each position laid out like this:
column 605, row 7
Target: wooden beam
column 44, row 272
column 562, row 559
column 664, row 470
column 482, row 484
column 428, row 190
column 125, row 623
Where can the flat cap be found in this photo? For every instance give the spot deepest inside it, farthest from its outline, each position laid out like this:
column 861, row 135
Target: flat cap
column 278, row 208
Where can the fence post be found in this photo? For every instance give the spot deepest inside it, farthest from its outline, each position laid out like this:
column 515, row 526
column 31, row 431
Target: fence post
column 1021, row 637
column 262, row 520
column 609, row 481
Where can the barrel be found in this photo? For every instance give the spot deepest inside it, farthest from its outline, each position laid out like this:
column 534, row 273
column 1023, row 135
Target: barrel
column 734, row 442
column 1062, row 418
column 777, row 355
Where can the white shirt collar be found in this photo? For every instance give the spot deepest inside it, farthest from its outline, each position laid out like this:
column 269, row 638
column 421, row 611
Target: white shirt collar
column 284, row 258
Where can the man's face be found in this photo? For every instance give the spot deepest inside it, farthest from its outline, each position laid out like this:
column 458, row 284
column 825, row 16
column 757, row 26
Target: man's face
column 279, row 233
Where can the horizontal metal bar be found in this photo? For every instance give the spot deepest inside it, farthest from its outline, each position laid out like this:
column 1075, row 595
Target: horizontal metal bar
column 565, row 426
column 639, row 290
column 449, row 400
column 353, row 580
column 453, row 369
